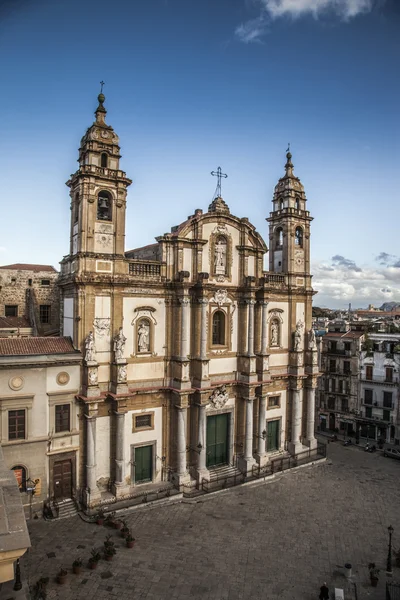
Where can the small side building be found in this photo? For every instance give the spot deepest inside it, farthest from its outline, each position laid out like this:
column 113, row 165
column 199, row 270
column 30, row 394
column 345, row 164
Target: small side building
column 39, row 379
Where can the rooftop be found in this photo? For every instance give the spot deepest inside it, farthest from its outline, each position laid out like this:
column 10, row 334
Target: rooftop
column 14, row 322
column 35, row 346
column 27, row 267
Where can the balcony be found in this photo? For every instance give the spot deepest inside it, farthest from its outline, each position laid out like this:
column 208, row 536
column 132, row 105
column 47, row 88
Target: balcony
column 376, row 419
column 273, row 280
column 382, row 379
column 148, row 270
column 380, row 405
column 104, row 172
column 340, row 352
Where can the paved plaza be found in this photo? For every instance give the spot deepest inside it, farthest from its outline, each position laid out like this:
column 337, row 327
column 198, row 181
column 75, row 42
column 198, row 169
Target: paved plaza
column 280, row 539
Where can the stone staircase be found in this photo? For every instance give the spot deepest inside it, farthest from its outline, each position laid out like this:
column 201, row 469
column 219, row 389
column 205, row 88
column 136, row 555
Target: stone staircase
column 223, row 477
column 66, row 508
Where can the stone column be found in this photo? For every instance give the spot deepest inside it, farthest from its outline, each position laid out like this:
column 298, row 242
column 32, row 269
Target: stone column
column 248, row 447
column 295, row 445
column 92, row 491
column 311, row 441
column 203, row 328
column 202, row 437
column 264, row 327
column 250, row 327
column 184, row 327
column 262, row 404
column 181, row 441
column 119, row 449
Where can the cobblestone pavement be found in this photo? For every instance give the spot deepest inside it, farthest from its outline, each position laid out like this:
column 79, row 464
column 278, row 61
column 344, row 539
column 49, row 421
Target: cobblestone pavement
column 280, row 539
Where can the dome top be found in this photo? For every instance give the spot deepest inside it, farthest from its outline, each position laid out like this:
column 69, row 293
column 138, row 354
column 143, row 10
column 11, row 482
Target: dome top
column 289, row 181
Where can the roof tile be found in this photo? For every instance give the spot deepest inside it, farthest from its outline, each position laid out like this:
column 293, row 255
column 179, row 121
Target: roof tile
column 35, row 346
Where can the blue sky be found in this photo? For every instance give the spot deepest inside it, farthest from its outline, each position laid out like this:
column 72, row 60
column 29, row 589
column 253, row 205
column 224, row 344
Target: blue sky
column 191, row 85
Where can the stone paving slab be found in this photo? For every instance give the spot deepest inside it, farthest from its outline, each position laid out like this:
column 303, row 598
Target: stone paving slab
column 278, row 540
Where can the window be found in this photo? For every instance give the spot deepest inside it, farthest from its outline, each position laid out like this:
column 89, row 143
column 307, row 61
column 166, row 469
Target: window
column 20, row 475
column 76, row 209
column 369, row 373
column 11, row 310
column 389, row 374
column 104, row 207
column 297, row 203
column 62, row 417
column 387, row 399
column 340, row 389
column 45, row 282
column 345, row 404
column 274, row 401
column 332, row 346
column 368, row 413
column 279, row 237
column 368, row 396
column 332, row 366
column 104, row 160
column 386, row 415
column 143, row 421
column 333, row 385
column 327, row 385
column 218, row 328
column 346, row 367
column 29, row 282
column 298, row 237
column 16, row 424
column 331, row 403
column 45, row 313
column 347, row 346
column 281, row 204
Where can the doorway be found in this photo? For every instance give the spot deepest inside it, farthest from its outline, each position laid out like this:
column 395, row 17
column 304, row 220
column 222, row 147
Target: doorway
column 62, row 479
column 143, row 464
column 217, row 440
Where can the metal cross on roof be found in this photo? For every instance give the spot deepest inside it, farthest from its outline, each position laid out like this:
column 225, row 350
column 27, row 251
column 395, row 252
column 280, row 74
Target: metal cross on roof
column 218, row 173
column 101, row 89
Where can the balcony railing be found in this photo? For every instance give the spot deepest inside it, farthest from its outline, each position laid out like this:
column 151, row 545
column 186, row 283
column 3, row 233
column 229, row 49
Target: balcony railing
column 379, row 379
column 112, row 173
column 379, row 405
column 339, row 352
column 274, row 279
column 373, row 418
column 145, row 270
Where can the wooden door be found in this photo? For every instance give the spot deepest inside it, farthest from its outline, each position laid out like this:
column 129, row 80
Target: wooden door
column 62, row 479
column 143, row 464
column 217, row 440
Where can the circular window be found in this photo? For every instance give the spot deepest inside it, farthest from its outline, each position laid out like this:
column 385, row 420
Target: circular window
column 62, row 378
column 16, row 383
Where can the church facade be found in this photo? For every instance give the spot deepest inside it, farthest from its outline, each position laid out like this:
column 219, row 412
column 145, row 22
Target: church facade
column 196, row 358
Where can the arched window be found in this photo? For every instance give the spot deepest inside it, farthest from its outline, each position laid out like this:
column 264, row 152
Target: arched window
column 279, row 237
column 143, row 333
column 104, row 160
column 76, row 208
column 104, row 206
column 218, row 328
column 275, row 333
column 20, row 474
column 298, row 237
column 297, row 203
column 280, row 204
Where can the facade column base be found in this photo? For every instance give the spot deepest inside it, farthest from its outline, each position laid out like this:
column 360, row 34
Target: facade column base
column 262, row 459
column 296, row 447
column 312, row 443
column 120, row 490
column 245, row 465
column 180, row 479
column 202, row 474
column 92, row 498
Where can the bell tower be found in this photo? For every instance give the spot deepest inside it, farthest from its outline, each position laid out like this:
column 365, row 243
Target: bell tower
column 289, row 226
column 98, row 195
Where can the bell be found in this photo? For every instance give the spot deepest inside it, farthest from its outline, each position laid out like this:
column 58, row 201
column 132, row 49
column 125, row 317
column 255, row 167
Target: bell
column 103, row 203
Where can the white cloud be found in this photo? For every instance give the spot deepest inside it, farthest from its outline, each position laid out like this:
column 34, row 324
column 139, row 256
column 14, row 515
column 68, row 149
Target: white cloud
column 254, row 29
column 338, row 284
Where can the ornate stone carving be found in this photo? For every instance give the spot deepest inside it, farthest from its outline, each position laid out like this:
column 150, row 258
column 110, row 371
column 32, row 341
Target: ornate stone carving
column 274, row 333
column 143, row 336
column 298, row 336
column 102, row 326
column 220, row 256
column 92, row 376
column 16, row 383
column 62, row 378
column 119, row 345
column 122, row 373
column 312, row 344
column 90, row 348
column 219, row 397
column 221, row 297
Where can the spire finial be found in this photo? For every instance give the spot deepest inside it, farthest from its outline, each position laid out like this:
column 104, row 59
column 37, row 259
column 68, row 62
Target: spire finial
column 100, row 110
column 289, row 164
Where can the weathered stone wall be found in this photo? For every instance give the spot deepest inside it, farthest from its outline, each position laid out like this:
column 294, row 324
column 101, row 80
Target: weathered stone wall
column 13, row 291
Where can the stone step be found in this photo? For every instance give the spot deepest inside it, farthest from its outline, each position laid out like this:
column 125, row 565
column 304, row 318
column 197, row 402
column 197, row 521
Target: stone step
column 66, row 508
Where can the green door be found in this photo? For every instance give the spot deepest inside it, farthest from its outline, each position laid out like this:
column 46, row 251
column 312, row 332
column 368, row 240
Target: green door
column 217, row 440
column 143, row 464
column 273, row 435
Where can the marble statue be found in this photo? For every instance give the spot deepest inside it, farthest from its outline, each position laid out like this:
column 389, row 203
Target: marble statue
column 274, row 333
column 220, row 257
column 119, row 345
column 90, row 350
column 298, row 336
column 143, row 337
column 312, row 344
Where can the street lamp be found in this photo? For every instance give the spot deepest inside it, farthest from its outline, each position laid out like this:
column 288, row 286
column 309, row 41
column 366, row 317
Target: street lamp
column 389, row 570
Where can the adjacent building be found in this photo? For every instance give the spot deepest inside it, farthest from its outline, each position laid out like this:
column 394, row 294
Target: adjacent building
column 194, row 356
column 40, row 427
column 29, row 300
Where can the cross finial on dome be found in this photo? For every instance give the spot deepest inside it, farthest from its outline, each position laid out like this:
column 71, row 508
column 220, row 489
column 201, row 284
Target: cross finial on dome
column 289, row 164
column 100, row 110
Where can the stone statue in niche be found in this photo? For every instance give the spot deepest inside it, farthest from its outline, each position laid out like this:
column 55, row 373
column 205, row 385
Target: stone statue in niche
column 144, row 337
column 274, row 333
column 119, row 345
column 298, row 336
column 312, row 344
column 220, row 256
column 90, row 349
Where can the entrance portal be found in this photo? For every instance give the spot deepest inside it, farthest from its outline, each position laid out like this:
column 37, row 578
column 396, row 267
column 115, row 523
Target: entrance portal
column 217, row 440
column 143, row 464
column 62, row 479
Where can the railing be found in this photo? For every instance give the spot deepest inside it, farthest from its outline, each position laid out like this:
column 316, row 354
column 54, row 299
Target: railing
column 380, row 379
column 339, row 352
column 222, row 481
column 145, row 270
column 274, row 279
column 379, row 405
column 377, row 419
column 289, row 462
column 112, row 173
